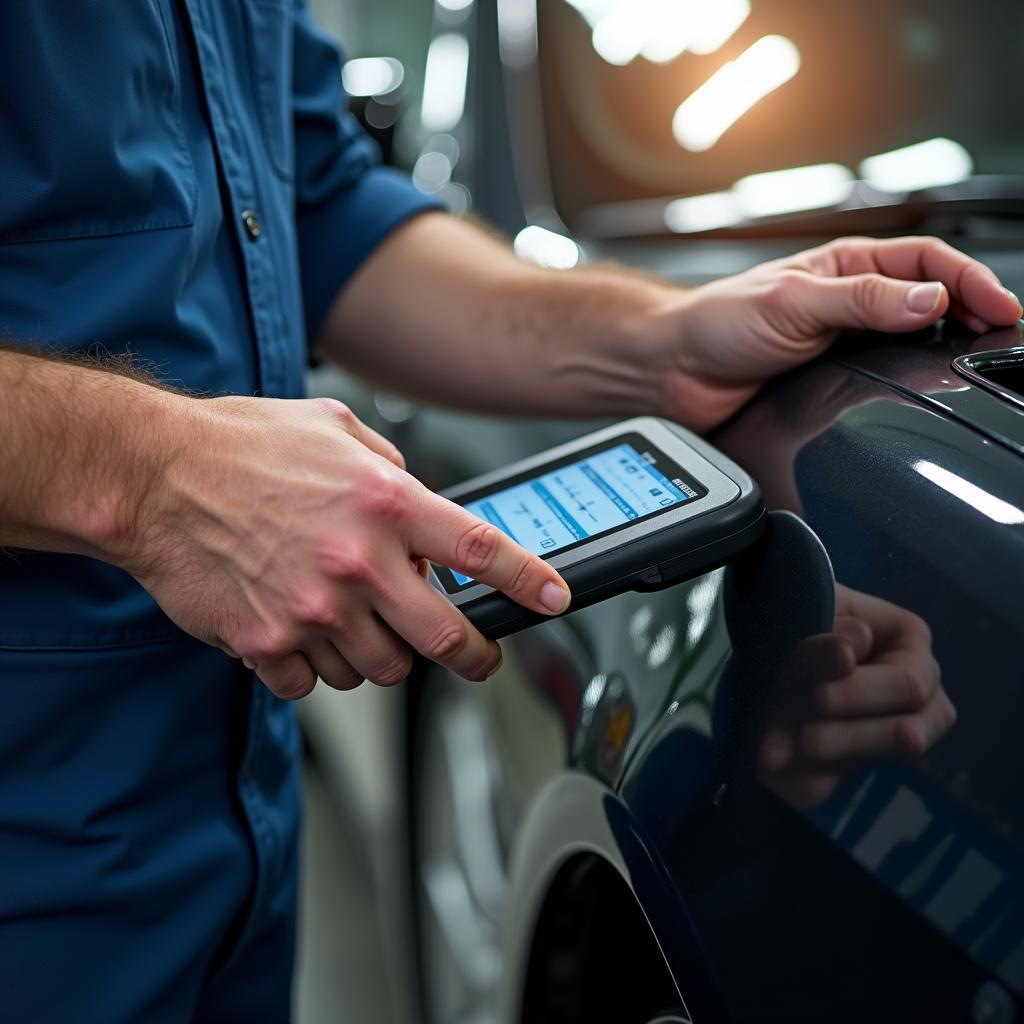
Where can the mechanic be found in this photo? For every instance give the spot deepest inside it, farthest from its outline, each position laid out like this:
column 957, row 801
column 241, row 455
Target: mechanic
column 182, row 184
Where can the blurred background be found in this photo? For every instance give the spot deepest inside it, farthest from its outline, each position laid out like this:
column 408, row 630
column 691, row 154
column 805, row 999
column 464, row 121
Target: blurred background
column 692, row 138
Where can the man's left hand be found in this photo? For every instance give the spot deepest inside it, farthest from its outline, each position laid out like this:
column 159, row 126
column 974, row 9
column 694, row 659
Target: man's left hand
column 741, row 330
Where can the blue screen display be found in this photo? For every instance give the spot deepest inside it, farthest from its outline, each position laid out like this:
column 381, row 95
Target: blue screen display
column 598, row 493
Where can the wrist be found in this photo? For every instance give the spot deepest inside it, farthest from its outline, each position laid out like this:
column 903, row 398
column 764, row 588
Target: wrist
column 695, row 384
column 650, row 353
column 147, row 431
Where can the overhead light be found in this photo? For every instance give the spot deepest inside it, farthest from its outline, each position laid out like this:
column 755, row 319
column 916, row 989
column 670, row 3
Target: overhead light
column 592, row 10
column 432, row 171
column 925, row 165
column 716, row 23
column 987, row 504
column 454, row 5
column 794, row 189
column 546, row 248
column 674, row 26
column 517, row 31
column 668, row 27
column 372, row 76
column 703, row 213
column 620, row 35
column 445, row 144
column 456, row 197
column 660, row 30
column 702, row 119
column 444, row 82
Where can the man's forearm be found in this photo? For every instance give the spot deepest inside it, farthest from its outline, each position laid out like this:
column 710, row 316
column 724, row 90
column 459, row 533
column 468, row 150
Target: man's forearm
column 79, row 447
column 445, row 312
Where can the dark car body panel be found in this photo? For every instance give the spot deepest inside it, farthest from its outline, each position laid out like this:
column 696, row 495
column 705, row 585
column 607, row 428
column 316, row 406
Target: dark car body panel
column 900, row 896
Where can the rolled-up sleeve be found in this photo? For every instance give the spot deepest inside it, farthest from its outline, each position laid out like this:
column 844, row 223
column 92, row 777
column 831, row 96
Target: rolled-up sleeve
column 346, row 202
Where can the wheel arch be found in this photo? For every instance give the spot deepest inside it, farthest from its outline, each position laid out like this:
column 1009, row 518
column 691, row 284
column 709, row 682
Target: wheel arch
column 578, row 834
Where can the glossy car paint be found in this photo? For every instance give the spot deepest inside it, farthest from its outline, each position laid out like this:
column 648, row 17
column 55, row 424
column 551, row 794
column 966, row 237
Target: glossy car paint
column 899, row 896
column 626, row 732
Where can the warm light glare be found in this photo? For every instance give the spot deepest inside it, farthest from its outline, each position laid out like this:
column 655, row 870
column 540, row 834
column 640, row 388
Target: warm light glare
column 715, row 24
column 797, row 188
column 546, row 248
column 444, row 82
column 987, row 504
column 730, row 92
column 670, row 28
column 593, row 10
column 660, row 30
column 372, row 76
column 925, row 165
column 620, row 34
column 703, row 213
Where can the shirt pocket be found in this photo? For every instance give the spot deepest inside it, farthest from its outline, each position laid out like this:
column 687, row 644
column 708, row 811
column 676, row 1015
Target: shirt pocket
column 269, row 25
column 93, row 141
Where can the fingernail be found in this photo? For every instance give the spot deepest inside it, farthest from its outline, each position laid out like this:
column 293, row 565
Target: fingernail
column 555, row 597
column 924, row 298
column 1020, row 308
column 497, row 666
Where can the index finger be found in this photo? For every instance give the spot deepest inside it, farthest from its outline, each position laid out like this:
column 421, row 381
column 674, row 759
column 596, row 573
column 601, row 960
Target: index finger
column 916, row 258
column 449, row 535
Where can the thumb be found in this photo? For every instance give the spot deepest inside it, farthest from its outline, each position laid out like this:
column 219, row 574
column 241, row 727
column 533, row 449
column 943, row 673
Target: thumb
column 875, row 302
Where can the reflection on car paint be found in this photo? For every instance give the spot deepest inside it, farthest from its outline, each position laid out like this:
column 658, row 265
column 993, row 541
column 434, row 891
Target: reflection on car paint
column 926, row 849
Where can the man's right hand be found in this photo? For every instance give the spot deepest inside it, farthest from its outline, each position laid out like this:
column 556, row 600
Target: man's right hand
column 289, row 534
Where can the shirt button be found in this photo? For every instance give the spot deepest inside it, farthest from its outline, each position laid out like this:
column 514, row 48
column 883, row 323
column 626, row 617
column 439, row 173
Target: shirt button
column 253, row 226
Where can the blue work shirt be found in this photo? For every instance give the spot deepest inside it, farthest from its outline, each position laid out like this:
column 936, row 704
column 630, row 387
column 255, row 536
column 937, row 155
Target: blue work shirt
column 181, row 181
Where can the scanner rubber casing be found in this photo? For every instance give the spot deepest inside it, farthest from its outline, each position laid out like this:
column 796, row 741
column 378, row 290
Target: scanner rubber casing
column 662, row 558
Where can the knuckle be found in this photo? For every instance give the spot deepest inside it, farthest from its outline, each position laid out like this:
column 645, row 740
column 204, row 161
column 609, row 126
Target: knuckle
column 339, row 412
column 520, row 578
column 487, row 665
column 786, row 288
column 918, row 631
column 446, row 643
column 347, row 682
column 394, row 670
column 916, row 690
column 294, row 685
column 849, row 242
column 309, row 608
column 346, row 561
column 910, row 737
column 478, row 548
column 383, row 495
column 270, row 644
column 949, row 713
column 869, row 291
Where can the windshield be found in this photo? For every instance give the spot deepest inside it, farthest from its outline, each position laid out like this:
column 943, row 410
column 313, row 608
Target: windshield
column 659, row 98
